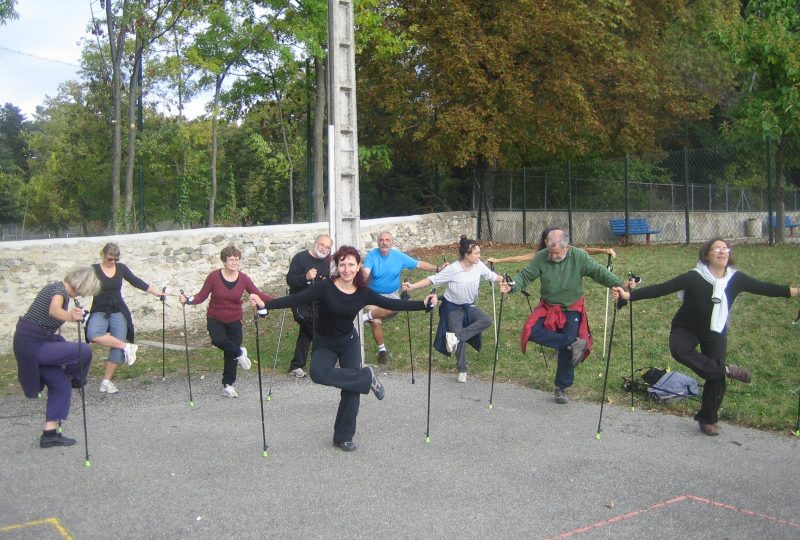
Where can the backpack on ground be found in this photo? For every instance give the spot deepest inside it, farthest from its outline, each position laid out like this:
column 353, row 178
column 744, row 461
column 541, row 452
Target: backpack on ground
column 661, row 384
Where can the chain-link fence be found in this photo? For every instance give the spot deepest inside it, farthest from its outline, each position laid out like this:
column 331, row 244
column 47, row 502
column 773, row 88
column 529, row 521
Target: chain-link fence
column 686, row 196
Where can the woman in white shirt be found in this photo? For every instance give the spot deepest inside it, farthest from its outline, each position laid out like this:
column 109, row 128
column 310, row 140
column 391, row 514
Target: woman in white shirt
column 460, row 320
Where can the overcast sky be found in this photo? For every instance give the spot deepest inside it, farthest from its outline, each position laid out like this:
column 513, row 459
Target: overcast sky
column 41, row 49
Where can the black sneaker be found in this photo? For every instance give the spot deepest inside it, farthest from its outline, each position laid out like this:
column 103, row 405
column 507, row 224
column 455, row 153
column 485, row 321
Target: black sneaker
column 383, row 356
column 377, row 387
column 347, row 446
column 48, row 441
column 737, row 373
column 578, row 349
column 560, row 395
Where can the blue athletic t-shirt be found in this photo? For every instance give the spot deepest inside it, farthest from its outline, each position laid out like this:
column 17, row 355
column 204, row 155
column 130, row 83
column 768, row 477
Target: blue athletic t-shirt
column 385, row 271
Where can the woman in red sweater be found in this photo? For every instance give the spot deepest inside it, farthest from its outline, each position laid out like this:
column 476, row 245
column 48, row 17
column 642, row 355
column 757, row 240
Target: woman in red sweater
column 226, row 287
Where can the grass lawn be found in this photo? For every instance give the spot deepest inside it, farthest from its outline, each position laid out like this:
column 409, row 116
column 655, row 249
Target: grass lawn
column 761, row 338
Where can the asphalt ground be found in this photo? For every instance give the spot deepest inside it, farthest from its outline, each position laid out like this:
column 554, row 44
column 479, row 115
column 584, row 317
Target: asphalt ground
column 527, row 468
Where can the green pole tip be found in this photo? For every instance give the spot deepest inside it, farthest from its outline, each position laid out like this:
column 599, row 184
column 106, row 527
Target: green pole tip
column 87, row 463
column 39, row 395
column 427, row 440
column 59, row 429
column 191, row 404
column 269, row 398
column 597, row 435
column 264, row 454
column 490, row 406
column 633, row 408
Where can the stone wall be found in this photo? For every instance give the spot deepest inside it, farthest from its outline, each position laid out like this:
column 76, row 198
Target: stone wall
column 182, row 259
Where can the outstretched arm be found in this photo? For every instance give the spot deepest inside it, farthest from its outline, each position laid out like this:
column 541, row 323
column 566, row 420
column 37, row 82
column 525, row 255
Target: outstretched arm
column 601, row 251
column 514, row 259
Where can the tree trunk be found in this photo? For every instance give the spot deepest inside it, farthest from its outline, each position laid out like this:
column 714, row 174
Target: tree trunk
column 212, row 198
column 319, row 153
column 116, row 40
column 133, row 90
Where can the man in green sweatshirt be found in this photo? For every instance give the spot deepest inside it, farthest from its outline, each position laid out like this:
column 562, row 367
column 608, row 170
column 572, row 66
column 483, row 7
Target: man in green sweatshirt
column 559, row 320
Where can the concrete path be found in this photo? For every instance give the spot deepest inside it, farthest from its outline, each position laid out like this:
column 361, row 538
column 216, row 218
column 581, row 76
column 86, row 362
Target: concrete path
column 528, row 468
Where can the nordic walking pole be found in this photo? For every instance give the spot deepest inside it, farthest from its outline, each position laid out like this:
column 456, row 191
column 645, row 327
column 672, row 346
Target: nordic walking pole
column 527, row 296
column 497, row 342
column 277, row 350
column 494, row 307
column 605, row 378
column 637, row 279
column 610, row 268
column 163, row 336
column 405, row 296
column 86, row 461
column 256, row 315
column 186, row 348
column 430, row 368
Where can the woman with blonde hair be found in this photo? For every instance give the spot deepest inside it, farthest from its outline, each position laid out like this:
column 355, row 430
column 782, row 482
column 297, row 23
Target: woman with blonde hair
column 45, row 358
column 110, row 323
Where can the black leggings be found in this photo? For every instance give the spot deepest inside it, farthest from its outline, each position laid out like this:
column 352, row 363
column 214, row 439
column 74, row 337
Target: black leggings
column 709, row 364
column 228, row 338
column 350, row 377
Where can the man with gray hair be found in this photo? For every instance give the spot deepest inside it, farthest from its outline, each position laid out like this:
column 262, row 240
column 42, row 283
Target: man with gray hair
column 559, row 320
column 306, row 268
column 384, row 264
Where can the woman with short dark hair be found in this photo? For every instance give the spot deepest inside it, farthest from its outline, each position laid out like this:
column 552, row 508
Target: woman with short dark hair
column 45, row 358
column 707, row 293
column 226, row 287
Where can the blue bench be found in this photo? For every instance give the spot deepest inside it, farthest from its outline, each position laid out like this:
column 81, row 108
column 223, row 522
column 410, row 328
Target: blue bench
column 787, row 222
column 637, row 225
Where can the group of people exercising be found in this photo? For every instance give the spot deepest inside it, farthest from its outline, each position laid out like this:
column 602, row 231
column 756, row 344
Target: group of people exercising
column 327, row 291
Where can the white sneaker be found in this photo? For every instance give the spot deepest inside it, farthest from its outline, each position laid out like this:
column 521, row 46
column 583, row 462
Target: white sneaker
column 244, row 360
column 108, row 387
column 298, row 373
column 130, row 353
column 451, row 341
column 462, row 376
column 229, row 391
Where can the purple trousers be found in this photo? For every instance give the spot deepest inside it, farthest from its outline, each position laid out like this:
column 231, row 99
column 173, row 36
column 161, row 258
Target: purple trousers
column 48, row 360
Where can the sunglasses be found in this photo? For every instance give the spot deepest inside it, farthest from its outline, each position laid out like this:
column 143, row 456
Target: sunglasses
column 721, row 250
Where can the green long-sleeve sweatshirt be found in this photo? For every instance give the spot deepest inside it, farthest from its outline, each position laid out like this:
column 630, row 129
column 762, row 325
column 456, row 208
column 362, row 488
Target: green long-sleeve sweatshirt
column 562, row 282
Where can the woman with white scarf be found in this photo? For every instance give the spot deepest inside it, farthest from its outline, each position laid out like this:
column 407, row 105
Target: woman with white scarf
column 707, row 292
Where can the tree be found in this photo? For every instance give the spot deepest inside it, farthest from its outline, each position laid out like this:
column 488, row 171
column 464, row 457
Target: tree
column 761, row 39
column 7, row 12
column 13, row 148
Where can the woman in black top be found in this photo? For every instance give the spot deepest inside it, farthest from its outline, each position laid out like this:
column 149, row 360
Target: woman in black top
column 110, row 323
column 707, row 292
column 340, row 299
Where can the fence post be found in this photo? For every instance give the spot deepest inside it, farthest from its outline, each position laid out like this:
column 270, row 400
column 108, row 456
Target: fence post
column 569, row 200
column 686, row 189
column 510, row 190
column 769, row 192
column 524, row 204
column 627, row 216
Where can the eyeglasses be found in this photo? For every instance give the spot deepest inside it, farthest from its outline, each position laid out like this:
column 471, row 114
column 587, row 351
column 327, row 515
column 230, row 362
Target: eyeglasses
column 721, row 250
column 112, row 259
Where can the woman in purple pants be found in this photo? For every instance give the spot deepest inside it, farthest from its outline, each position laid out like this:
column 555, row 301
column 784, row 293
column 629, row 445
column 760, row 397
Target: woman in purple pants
column 45, row 358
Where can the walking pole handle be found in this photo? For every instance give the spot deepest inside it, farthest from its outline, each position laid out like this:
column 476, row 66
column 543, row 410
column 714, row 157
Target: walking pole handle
column 163, row 296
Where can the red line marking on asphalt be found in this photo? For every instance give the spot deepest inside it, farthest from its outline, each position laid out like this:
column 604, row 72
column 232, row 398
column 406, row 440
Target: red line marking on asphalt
column 664, row 504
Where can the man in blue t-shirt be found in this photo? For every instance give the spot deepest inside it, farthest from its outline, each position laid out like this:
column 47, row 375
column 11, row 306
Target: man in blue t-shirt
column 384, row 264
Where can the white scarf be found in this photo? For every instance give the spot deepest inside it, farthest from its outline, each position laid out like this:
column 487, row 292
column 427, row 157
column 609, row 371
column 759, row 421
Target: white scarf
column 719, row 315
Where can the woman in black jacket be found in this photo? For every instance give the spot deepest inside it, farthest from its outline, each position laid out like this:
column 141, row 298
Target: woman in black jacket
column 707, row 292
